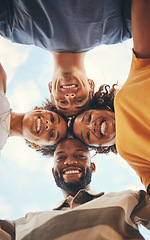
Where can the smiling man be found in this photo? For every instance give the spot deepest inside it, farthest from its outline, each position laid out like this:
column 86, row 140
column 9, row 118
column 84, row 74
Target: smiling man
column 71, row 90
column 68, row 29
column 72, row 166
column 83, row 214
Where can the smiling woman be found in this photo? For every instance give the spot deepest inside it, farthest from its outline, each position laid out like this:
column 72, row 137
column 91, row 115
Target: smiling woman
column 96, row 126
column 43, row 126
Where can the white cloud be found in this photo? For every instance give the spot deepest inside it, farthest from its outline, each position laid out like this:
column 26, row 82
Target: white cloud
column 23, row 156
column 24, row 96
column 5, row 208
column 109, row 64
column 30, row 207
column 12, row 56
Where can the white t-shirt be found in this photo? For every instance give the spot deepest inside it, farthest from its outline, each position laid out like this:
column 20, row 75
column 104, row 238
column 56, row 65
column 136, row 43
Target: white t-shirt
column 4, row 119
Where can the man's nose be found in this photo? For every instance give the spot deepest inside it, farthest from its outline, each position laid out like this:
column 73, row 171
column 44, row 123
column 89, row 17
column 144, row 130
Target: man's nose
column 70, row 96
column 70, row 161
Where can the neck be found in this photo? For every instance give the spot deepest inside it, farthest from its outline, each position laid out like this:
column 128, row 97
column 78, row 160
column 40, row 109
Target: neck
column 66, row 62
column 66, row 194
column 16, row 124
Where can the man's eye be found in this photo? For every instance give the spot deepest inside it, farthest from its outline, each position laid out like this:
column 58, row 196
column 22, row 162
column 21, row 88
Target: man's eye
column 89, row 118
column 51, row 135
column 61, row 158
column 62, row 101
column 88, row 135
column 52, row 118
column 79, row 100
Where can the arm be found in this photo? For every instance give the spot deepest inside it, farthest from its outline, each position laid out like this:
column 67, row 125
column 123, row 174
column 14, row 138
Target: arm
column 7, row 230
column 2, row 79
column 140, row 27
column 4, row 235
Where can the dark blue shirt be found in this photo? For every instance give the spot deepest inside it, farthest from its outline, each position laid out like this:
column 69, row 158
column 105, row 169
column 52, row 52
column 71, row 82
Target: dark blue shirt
column 65, row 25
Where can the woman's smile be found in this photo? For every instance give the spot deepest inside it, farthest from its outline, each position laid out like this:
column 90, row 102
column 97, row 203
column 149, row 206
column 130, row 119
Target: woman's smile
column 44, row 127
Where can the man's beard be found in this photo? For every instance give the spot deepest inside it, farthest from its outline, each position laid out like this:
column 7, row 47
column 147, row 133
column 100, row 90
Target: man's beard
column 74, row 187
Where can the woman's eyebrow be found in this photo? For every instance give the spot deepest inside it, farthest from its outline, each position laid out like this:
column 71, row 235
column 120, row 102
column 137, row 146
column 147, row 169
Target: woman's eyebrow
column 57, row 136
column 63, row 108
column 59, row 152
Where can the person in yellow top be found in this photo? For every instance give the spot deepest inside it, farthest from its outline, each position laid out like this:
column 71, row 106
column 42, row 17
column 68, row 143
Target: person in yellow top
column 132, row 103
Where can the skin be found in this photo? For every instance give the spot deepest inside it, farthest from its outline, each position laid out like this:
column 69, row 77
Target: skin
column 71, row 158
column 4, row 235
column 140, row 27
column 39, row 126
column 2, row 79
column 96, row 127
column 70, row 86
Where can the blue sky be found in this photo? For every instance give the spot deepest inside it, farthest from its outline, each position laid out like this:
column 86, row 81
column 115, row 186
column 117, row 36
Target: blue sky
column 26, row 180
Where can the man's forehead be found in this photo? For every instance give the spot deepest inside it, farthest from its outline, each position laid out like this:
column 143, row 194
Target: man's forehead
column 70, row 144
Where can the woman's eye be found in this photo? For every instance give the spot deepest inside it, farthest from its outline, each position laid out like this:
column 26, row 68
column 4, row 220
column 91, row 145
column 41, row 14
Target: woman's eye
column 80, row 156
column 88, row 135
column 89, row 118
column 51, row 135
column 52, row 118
column 79, row 100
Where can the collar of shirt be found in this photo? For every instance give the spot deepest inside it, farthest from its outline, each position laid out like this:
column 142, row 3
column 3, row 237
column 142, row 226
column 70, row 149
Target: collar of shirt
column 81, row 197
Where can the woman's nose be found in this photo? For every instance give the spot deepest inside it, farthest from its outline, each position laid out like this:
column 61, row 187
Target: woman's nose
column 48, row 125
column 93, row 126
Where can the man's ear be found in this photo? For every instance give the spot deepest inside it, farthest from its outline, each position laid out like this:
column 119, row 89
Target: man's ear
column 50, row 86
column 93, row 167
column 53, row 171
column 91, row 84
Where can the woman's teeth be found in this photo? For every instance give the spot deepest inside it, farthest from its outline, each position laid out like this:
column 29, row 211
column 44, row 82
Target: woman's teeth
column 103, row 128
column 38, row 124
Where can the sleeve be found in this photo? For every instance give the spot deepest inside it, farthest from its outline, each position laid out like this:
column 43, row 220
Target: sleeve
column 141, row 213
column 132, row 114
column 6, row 18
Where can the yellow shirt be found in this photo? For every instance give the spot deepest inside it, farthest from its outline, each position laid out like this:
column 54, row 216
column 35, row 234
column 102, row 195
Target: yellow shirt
column 132, row 110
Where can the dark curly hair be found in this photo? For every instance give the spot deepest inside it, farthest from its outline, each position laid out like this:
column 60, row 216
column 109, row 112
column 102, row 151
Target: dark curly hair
column 103, row 99
column 47, row 150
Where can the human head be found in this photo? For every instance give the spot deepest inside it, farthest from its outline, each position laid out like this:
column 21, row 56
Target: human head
column 96, row 126
column 71, row 92
column 72, row 169
column 44, row 126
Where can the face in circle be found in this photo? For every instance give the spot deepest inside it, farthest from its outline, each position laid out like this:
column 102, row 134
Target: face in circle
column 72, row 164
column 96, row 127
column 43, row 127
column 70, row 92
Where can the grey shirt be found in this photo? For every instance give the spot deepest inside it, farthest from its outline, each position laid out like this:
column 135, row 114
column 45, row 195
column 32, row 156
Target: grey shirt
column 66, row 26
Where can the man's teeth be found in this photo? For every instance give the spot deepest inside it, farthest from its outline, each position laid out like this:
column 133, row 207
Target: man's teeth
column 103, row 127
column 69, row 86
column 72, row 172
column 38, row 125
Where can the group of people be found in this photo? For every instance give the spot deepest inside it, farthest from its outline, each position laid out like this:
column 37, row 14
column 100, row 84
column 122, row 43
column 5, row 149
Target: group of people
column 77, row 119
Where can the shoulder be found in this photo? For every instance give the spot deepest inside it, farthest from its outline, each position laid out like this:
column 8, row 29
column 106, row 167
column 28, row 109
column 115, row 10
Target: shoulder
column 2, row 79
